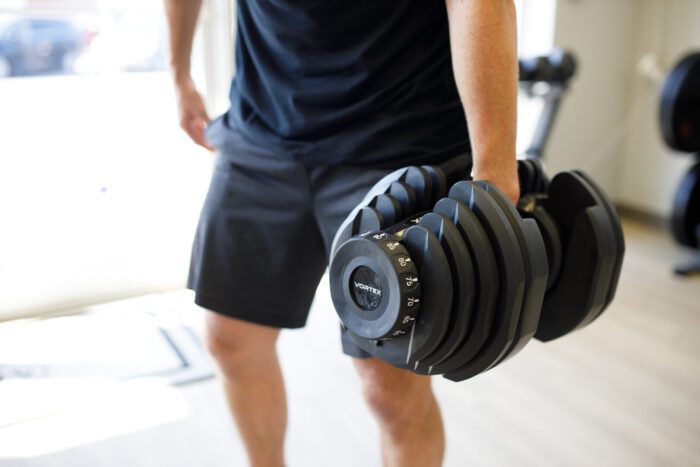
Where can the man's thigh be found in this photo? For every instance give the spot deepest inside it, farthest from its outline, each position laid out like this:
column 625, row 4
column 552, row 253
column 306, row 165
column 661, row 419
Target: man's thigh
column 258, row 255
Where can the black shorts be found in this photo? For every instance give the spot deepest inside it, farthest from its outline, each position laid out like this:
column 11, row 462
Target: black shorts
column 266, row 229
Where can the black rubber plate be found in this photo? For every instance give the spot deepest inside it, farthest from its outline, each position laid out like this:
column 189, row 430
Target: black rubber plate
column 536, row 269
column 511, row 272
column 463, row 285
column 526, row 174
column 686, row 209
column 380, row 187
column 439, row 182
column 552, row 242
column 486, row 269
column 388, row 207
column 436, row 296
column 404, row 194
column 542, row 179
column 619, row 234
column 680, row 105
column 609, row 245
column 367, row 219
column 535, row 181
column 422, row 184
column 584, row 226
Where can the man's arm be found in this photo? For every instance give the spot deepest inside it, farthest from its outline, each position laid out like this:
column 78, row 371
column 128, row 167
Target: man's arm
column 483, row 39
column 182, row 22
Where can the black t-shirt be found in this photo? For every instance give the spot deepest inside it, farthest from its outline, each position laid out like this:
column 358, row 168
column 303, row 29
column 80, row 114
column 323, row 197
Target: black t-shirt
column 347, row 82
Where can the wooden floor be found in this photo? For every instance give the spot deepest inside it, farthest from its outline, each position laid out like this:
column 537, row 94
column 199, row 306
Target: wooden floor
column 623, row 392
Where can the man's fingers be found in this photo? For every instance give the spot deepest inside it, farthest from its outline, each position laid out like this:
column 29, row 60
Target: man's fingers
column 204, row 117
column 194, row 127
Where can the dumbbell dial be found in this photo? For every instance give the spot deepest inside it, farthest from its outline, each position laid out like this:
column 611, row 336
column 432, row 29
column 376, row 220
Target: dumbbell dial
column 432, row 320
column 375, row 286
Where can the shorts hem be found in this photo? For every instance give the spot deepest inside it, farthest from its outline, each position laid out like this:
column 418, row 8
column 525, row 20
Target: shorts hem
column 242, row 311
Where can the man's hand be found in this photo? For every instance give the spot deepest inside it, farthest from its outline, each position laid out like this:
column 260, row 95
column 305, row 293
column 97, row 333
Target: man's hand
column 193, row 114
column 505, row 178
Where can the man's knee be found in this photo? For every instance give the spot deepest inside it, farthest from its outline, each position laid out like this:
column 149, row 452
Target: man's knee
column 394, row 396
column 237, row 344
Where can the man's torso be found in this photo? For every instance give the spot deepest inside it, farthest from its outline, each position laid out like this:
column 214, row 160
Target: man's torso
column 337, row 82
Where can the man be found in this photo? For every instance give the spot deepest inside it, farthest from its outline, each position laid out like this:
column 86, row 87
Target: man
column 328, row 97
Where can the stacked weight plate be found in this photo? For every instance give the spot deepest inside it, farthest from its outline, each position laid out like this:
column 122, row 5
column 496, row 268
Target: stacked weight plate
column 680, row 125
column 454, row 282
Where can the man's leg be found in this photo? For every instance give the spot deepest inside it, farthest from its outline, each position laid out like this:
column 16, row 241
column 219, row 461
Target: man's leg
column 403, row 403
column 247, row 360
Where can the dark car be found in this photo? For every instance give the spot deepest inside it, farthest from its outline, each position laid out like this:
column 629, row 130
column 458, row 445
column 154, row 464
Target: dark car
column 39, row 46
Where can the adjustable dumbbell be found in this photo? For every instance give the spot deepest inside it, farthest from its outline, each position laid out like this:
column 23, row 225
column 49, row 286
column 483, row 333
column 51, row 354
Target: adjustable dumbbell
column 460, row 289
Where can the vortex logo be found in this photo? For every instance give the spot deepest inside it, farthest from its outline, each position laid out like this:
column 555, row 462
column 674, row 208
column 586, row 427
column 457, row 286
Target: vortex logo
column 366, row 287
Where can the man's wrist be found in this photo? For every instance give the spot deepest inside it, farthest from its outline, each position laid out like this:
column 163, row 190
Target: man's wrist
column 495, row 170
column 181, row 75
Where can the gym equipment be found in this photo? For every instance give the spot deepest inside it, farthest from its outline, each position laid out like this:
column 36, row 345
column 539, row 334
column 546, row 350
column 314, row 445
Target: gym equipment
column 546, row 77
column 486, row 282
column 680, row 105
column 441, row 275
column 685, row 221
column 459, row 288
column 680, row 127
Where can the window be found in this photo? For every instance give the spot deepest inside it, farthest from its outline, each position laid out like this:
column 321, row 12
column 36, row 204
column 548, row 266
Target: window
column 535, row 37
column 99, row 189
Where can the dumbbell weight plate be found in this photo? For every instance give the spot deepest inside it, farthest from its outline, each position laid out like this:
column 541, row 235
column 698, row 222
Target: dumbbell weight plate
column 464, row 288
column 537, row 176
column 542, row 179
column 686, row 208
column 486, row 283
column 680, row 105
column 608, row 243
column 439, row 182
column 431, row 323
column 367, row 219
column 587, row 238
column 619, row 233
column 380, row 187
column 422, row 184
column 511, row 272
column 388, row 207
column 526, row 174
column 456, row 169
column 536, row 270
column 552, row 240
column 406, row 197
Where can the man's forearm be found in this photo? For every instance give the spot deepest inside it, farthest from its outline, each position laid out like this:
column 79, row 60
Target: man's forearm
column 182, row 22
column 483, row 39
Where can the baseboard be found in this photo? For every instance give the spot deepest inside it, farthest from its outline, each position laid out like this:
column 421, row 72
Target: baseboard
column 643, row 217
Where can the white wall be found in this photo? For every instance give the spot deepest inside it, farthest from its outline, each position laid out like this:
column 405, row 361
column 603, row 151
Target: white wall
column 601, row 33
column 650, row 172
column 608, row 125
